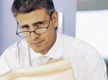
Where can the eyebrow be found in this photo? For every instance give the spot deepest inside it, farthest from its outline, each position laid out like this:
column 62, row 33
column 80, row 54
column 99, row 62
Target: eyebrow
column 32, row 24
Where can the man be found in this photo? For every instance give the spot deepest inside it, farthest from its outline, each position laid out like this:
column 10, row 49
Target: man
column 37, row 20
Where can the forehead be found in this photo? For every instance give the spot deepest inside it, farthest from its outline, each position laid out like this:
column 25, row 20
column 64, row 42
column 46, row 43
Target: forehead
column 37, row 15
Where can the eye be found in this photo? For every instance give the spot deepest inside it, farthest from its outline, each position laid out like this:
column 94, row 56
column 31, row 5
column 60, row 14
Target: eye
column 25, row 26
column 39, row 23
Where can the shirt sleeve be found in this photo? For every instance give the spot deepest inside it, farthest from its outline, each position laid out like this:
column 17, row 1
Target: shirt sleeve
column 86, row 61
column 94, row 67
column 8, row 60
column 4, row 67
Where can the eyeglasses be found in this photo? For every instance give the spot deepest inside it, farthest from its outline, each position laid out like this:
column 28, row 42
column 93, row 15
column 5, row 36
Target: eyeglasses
column 25, row 34
column 41, row 30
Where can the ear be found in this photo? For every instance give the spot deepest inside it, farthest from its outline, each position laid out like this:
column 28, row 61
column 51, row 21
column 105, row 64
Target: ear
column 55, row 19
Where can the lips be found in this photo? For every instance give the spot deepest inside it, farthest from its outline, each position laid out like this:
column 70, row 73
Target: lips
column 37, row 43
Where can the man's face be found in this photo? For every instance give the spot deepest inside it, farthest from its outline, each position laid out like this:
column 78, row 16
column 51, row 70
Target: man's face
column 40, row 43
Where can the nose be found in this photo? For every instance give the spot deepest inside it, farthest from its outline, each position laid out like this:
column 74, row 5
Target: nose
column 34, row 35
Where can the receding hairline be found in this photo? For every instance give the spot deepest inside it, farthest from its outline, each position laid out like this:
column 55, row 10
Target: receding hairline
column 32, row 11
column 18, row 7
column 21, row 12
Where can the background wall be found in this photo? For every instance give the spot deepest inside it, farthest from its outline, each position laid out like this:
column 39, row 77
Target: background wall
column 8, row 24
column 0, row 26
column 92, row 4
column 92, row 16
column 92, row 24
column 68, row 7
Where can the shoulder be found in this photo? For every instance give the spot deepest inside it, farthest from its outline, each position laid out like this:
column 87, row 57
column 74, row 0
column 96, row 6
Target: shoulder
column 84, row 55
column 11, row 56
column 21, row 43
column 72, row 43
column 78, row 49
column 14, row 48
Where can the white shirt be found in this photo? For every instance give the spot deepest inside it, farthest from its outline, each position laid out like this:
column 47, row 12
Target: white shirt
column 87, row 64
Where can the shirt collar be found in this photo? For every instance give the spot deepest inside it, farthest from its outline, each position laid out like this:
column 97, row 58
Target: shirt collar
column 55, row 52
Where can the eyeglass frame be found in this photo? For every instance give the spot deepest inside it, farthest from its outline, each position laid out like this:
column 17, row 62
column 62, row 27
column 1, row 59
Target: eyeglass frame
column 35, row 29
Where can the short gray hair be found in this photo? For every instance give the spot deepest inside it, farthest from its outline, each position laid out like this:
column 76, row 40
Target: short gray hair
column 26, row 6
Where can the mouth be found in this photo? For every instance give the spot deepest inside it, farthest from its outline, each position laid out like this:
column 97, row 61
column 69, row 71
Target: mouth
column 38, row 43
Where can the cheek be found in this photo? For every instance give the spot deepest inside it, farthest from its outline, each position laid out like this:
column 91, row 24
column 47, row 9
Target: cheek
column 28, row 40
column 50, row 37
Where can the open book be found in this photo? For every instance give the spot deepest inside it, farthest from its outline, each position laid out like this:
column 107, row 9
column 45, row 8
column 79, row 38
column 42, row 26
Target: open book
column 56, row 70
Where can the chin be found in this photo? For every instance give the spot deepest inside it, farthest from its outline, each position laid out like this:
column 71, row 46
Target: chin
column 38, row 50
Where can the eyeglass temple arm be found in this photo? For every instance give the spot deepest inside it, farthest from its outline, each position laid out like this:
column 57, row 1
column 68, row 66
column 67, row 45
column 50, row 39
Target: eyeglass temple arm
column 17, row 29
